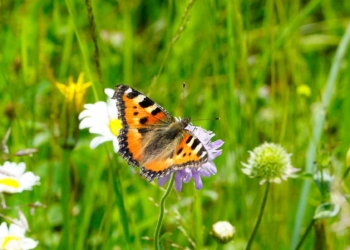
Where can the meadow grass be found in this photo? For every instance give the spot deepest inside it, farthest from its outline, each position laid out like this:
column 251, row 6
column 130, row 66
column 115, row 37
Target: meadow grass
column 244, row 62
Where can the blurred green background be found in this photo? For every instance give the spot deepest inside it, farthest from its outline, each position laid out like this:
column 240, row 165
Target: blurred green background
column 263, row 67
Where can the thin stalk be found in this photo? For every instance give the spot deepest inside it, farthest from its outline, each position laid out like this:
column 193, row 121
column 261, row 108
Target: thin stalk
column 257, row 224
column 161, row 212
column 65, row 189
column 300, row 243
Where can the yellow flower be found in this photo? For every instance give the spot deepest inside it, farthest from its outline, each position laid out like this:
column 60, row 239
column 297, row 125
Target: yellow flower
column 304, row 90
column 74, row 92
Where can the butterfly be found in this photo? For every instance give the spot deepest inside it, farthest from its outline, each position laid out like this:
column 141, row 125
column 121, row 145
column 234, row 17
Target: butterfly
column 152, row 139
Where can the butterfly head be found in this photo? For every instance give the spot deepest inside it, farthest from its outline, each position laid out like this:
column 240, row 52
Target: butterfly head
column 184, row 122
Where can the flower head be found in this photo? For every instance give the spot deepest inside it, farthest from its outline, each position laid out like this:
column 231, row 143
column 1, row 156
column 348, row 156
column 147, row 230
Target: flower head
column 14, row 180
column 270, row 162
column 223, row 231
column 206, row 170
column 13, row 238
column 102, row 118
column 74, row 92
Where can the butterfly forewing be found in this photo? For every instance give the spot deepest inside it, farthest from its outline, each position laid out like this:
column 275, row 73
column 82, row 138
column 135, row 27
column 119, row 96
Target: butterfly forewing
column 135, row 110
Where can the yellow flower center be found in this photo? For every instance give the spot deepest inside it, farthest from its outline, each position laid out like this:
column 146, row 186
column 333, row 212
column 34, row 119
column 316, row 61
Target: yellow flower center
column 115, row 125
column 8, row 239
column 10, row 182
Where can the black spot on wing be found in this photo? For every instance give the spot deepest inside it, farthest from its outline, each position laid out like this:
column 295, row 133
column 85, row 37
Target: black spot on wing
column 156, row 111
column 195, row 143
column 136, row 113
column 132, row 95
column 189, row 139
column 146, row 102
column 200, row 152
column 143, row 120
column 179, row 151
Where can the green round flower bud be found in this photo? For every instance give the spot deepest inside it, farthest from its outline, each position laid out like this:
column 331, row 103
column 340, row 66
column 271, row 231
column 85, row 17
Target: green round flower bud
column 269, row 162
column 223, row 231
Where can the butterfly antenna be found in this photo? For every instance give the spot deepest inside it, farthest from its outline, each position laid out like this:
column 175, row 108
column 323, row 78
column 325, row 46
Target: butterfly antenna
column 183, row 98
column 207, row 119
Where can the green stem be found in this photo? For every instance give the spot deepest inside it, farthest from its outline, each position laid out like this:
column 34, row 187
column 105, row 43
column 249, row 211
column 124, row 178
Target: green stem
column 65, row 189
column 305, row 234
column 161, row 212
column 250, row 242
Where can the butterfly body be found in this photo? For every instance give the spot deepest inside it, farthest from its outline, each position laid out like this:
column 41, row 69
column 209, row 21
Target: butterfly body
column 152, row 139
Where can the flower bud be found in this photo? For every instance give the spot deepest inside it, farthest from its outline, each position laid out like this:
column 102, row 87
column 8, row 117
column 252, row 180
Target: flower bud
column 223, row 231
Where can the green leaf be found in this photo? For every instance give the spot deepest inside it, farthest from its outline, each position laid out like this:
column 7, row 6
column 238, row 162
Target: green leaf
column 165, row 235
column 326, row 210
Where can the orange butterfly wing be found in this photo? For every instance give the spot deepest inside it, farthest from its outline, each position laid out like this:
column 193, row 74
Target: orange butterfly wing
column 150, row 137
column 140, row 117
column 189, row 152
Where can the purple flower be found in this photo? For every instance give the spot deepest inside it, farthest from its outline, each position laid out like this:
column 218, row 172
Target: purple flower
column 206, row 170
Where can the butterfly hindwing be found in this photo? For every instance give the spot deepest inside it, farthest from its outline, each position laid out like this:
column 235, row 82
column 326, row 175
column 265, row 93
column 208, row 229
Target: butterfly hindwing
column 188, row 152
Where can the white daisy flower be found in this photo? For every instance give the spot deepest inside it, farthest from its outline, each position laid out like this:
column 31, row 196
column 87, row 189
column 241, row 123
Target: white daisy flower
column 269, row 162
column 13, row 238
column 102, row 118
column 14, row 180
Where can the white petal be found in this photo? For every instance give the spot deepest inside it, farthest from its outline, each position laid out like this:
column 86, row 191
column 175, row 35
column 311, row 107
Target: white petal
column 3, row 230
column 116, row 146
column 101, row 130
column 109, row 92
column 28, row 180
column 21, row 167
column 16, row 230
column 98, row 140
column 87, row 123
column 28, row 243
column 246, row 171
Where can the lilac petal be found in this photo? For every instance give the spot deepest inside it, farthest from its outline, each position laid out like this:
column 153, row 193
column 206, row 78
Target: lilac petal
column 178, row 181
column 204, row 172
column 197, row 180
column 209, row 166
column 214, row 154
column 162, row 180
column 187, row 174
column 216, row 144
